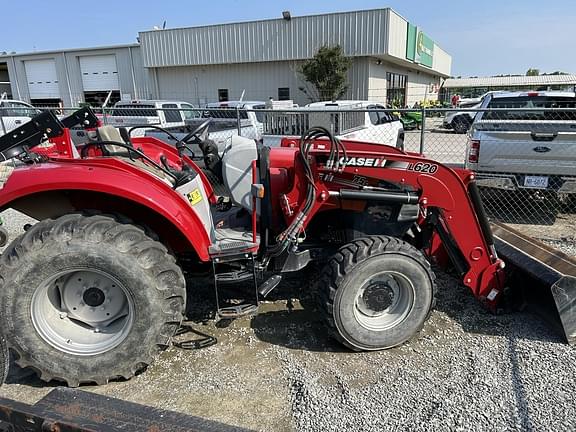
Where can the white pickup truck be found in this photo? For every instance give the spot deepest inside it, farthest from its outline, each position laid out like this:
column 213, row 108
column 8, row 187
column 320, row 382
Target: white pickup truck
column 170, row 115
column 14, row 113
column 523, row 148
column 348, row 119
column 354, row 120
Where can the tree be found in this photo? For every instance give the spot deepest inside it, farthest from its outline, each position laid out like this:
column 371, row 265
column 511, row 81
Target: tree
column 327, row 72
column 533, row 72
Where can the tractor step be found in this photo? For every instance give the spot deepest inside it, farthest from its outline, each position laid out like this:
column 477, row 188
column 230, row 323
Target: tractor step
column 237, row 311
column 269, row 285
column 233, row 277
column 226, row 309
column 232, row 247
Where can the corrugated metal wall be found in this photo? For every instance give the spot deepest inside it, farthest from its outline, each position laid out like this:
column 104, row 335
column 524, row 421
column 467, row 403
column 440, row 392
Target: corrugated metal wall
column 360, row 33
column 132, row 76
column 259, row 81
column 257, row 56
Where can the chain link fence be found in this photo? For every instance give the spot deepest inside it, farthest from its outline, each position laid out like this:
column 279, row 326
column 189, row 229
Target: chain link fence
column 524, row 158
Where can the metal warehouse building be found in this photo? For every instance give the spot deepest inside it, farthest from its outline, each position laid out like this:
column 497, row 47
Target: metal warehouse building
column 392, row 61
column 70, row 77
column 474, row 87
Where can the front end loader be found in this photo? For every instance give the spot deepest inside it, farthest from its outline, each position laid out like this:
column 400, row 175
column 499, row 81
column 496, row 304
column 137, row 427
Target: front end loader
column 96, row 289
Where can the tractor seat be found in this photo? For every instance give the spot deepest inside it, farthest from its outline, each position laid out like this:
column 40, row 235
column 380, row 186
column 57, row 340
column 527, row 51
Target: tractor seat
column 110, row 133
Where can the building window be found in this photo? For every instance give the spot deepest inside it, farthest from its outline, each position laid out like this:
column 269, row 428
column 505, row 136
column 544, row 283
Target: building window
column 97, row 98
column 47, row 103
column 222, row 95
column 283, row 93
column 396, row 89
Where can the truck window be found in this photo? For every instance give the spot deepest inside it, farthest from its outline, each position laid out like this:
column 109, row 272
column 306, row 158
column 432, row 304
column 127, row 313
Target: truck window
column 378, row 116
column 189, row 111
column 531, row 102
column 224, row 113
column 260, row 115
column 19, row 109
column 135, row 110
column 170, row 115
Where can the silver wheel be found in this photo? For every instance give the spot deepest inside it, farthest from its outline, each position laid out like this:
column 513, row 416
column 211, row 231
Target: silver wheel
column 384, row 300
column 82, row 312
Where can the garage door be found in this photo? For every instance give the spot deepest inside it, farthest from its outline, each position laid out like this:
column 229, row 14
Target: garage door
column 99, row 73
column 42, row 79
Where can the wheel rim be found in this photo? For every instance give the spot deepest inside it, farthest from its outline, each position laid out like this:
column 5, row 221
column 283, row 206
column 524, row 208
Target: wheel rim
column 82, row 311
column 384, row 300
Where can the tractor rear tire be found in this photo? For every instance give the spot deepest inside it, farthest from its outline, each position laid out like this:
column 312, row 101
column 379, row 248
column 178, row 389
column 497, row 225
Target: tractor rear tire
column 4, row 360
column 87, row 299
column 376, row 293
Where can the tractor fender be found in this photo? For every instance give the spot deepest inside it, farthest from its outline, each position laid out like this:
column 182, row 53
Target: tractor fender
column 113, row 184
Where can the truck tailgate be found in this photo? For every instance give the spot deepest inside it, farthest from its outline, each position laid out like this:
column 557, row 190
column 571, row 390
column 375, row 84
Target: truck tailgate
column 527, row 147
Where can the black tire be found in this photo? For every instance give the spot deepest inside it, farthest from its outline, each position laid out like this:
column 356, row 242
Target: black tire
column 4, row 360
column 152, row 283
column 461, row 124
column 346, row 276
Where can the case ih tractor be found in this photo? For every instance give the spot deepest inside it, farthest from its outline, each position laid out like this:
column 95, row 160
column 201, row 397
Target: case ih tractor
column 95, row 289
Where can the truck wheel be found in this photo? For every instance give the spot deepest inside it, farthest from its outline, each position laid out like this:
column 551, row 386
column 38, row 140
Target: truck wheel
column 461, row 125
column 376, row 293
column 88, row 299
column 4, row 360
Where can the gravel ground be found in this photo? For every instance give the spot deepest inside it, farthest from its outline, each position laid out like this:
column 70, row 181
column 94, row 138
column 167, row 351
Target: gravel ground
column 467, row 370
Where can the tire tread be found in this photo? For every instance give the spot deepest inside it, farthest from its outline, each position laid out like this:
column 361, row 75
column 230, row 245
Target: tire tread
column 347, row 258
column 149, row 254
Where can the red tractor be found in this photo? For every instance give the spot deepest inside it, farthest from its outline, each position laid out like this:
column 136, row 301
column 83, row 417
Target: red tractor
column 95, row 289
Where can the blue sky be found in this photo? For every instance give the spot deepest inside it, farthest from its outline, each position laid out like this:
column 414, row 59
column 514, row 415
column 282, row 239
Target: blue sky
column 484, row 37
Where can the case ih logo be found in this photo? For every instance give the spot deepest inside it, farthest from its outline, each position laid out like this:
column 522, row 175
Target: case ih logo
column 363, row 162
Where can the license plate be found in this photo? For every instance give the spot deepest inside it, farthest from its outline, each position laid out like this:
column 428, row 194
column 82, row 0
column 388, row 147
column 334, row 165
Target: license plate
column 539, row 182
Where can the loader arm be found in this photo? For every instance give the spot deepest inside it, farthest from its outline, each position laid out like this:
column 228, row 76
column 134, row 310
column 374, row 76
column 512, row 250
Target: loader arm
column 449, row 211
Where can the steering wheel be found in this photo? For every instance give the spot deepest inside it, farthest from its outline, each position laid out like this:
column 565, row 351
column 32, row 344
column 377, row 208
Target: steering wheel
column 199, row 134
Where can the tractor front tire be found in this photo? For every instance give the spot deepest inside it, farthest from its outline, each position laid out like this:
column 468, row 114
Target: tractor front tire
column 87, row 299
column 376, row 293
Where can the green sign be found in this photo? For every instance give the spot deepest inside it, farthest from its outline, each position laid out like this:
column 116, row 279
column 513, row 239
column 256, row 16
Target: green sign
column 419, row 47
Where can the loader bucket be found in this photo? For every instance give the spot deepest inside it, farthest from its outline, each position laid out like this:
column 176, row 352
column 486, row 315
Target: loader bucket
column 546, row 277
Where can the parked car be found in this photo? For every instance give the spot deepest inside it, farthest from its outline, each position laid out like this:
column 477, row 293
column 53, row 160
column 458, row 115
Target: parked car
column 526, row 154
column 14, row 113
column 460, row 121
